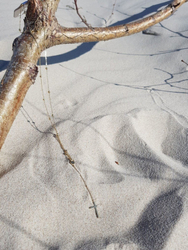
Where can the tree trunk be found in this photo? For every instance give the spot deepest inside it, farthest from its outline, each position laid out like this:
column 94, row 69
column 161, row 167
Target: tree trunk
column 42, row 31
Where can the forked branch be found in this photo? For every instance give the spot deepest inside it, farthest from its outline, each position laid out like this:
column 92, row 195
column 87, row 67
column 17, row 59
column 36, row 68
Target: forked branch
column 81, row 35
column 42, row 31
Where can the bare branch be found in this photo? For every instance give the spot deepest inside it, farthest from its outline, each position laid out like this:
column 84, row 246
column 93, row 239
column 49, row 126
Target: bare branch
column 82, row 18
column 22, row 70
column 21, row 73
column 80, row 35
column 42, row 31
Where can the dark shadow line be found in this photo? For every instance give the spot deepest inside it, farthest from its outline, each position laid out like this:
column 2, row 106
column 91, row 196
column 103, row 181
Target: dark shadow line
column 171, row 76
column 145, row 88
column 23, row 231
column 158, row 220
column 146, row 55
column 175, row 32
column 151, row 230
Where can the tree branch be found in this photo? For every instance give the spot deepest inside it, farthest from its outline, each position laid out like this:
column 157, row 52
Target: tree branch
column 42, row 31
column 80, row 35
column 22, row 69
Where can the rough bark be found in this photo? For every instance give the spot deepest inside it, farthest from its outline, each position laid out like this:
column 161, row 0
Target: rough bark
column 42, row 31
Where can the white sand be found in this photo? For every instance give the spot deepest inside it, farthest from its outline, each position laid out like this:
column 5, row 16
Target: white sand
column 121, row 111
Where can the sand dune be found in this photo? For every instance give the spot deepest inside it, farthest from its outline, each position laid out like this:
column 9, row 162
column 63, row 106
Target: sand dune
column 120, row 108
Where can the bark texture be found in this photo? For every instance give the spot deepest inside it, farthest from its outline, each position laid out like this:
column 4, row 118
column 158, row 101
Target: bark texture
column 42, row 31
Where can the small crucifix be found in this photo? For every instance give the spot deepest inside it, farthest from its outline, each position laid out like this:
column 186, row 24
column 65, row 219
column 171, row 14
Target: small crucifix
column 95, row 207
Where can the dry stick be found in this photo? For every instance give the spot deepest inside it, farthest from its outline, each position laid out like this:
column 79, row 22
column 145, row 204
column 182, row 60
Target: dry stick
column 65, row 152
column 56, row 135
column 31, row 122
column 82, row 18
column 72, row 163
column 29, row 119
column 80, row 35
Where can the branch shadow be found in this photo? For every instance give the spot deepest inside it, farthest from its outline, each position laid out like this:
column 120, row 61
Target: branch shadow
column 153, row 228
column 173, row 83
column 173, row 86
column 3, row 65
column 157, row 221
column 176, row 33
column 23, row 231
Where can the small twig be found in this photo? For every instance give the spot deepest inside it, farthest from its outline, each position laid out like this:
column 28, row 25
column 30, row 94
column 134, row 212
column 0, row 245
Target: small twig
column 72, row 163
column 112, row 10
column 184, row 62
column 82, row 18
column 57, row 137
